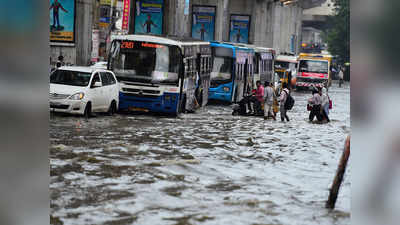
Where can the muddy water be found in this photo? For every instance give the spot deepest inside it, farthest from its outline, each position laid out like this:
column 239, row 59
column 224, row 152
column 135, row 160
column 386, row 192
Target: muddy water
column 202, row 168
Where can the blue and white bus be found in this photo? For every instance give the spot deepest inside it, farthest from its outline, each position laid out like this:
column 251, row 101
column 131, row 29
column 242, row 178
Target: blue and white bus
column 264, row 64
column 161, row 74
column 233, row 72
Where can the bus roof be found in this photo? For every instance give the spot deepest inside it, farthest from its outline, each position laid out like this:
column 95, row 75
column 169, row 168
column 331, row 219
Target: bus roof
column 286, row 58
column 315, row 56
column 169, row 40
column 230, row 45
column 256, row 48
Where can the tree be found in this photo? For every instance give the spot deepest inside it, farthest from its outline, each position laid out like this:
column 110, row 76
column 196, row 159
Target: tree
column 338, row 35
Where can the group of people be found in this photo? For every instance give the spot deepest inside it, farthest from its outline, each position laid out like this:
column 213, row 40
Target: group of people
column 319, row 103
column 267, row 97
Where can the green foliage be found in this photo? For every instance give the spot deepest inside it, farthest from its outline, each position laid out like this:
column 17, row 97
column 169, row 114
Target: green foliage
column 338, row 35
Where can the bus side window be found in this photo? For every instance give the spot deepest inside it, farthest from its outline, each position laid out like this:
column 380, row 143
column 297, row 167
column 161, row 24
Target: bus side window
column 203, row 64
column 186, row 66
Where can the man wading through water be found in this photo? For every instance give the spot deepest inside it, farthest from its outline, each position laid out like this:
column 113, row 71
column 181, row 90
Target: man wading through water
column 269, row 95
column 282, row 99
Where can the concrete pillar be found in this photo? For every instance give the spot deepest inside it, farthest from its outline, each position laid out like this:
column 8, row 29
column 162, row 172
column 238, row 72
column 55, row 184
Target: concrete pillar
column 84, row 18
column 179, row 18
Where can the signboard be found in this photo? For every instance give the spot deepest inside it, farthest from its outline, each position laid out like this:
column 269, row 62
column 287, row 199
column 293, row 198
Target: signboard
column 95, row 45
column 105, row 2
column 203, row 22
column 126, row 15
column 149, row 17
column 239, row 29
column 105, row 15
column 62, row 20
column 266, row 56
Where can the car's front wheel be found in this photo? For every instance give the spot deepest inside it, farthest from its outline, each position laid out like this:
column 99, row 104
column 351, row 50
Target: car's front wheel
column 113, row 108
column 88, row 110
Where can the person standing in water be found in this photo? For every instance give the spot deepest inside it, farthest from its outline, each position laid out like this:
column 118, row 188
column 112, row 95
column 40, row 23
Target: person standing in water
column 269, row 95
column 56, row 6
column 282, row 99
column 315, row 101
column 325, row 104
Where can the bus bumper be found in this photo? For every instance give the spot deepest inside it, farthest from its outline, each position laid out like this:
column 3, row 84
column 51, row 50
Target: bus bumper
column 218, row 93
column 308, row 83
column 220, row 96
column 166, row 103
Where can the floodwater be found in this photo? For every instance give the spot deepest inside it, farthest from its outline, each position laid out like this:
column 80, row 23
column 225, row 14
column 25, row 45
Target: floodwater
column 203, row 168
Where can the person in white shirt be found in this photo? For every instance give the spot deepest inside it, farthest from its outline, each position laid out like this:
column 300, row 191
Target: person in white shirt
column 315, row 102
column 341, row 75
column 269, row 96
column 282, row 100
column 325, row 104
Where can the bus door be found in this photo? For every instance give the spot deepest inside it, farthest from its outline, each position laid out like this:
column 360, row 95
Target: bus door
column 266, row 67
column 204, row 69
column 249, row 85
column 239, row 77
column 189, row 83
column 257, row 64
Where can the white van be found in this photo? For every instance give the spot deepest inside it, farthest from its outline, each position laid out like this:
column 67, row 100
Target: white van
column 83, row 90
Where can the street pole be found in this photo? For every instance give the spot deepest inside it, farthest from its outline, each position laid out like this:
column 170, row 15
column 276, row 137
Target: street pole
column 334, row 191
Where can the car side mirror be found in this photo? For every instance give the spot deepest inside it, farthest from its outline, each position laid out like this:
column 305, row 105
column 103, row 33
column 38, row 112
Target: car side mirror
column 97, row 84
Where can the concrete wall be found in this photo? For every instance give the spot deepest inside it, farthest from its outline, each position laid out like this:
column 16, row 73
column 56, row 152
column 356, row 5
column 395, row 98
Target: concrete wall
column 78, row 53
column 287, row 23
column 272, row 24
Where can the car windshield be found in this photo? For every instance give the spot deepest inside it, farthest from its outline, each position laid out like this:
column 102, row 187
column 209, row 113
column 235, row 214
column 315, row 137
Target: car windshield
column 73, row 78
column 145, row 62
column 281, row 65
column 313, row 66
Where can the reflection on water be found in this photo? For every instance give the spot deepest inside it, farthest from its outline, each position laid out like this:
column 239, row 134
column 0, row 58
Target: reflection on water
column 202, row 168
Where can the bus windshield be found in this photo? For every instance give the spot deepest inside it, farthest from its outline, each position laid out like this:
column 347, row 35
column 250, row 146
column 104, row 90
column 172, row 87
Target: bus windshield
column 313, row 66
column 222, row 66
column 222, row 69
column 285, row 65
column 145, row 62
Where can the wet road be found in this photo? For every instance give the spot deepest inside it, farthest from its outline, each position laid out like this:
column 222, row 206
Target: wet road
column 202, row 168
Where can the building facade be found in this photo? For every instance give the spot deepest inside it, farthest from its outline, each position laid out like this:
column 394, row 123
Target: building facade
column 268, row 23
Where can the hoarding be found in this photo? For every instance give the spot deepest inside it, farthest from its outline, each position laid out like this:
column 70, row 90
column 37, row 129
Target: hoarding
column 239, row 29
column 95, row 45
column 149, row 16
column 62, row 20
column 126, row 15
column 105, row 15
column 203, row 22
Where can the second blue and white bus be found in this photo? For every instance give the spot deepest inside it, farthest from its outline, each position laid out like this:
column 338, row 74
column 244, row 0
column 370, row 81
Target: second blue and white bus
column 161, row 74
column 233, row 72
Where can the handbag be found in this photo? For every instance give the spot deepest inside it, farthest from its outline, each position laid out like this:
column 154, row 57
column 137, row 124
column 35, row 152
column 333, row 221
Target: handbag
column 309, row 107
column 330, row 103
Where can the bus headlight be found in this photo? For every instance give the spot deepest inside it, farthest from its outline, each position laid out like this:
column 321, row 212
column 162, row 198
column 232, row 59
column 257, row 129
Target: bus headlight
column 227, row 89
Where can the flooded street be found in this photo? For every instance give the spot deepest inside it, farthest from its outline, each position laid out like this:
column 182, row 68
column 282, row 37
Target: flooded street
column 203, row 168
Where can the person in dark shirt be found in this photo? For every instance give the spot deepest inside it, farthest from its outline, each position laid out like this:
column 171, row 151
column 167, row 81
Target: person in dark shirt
column 148, row 24
column 56, row 6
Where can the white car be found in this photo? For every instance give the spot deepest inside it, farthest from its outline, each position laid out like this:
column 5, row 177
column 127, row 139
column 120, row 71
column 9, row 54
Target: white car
column 83, row 90
column 100, row 65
